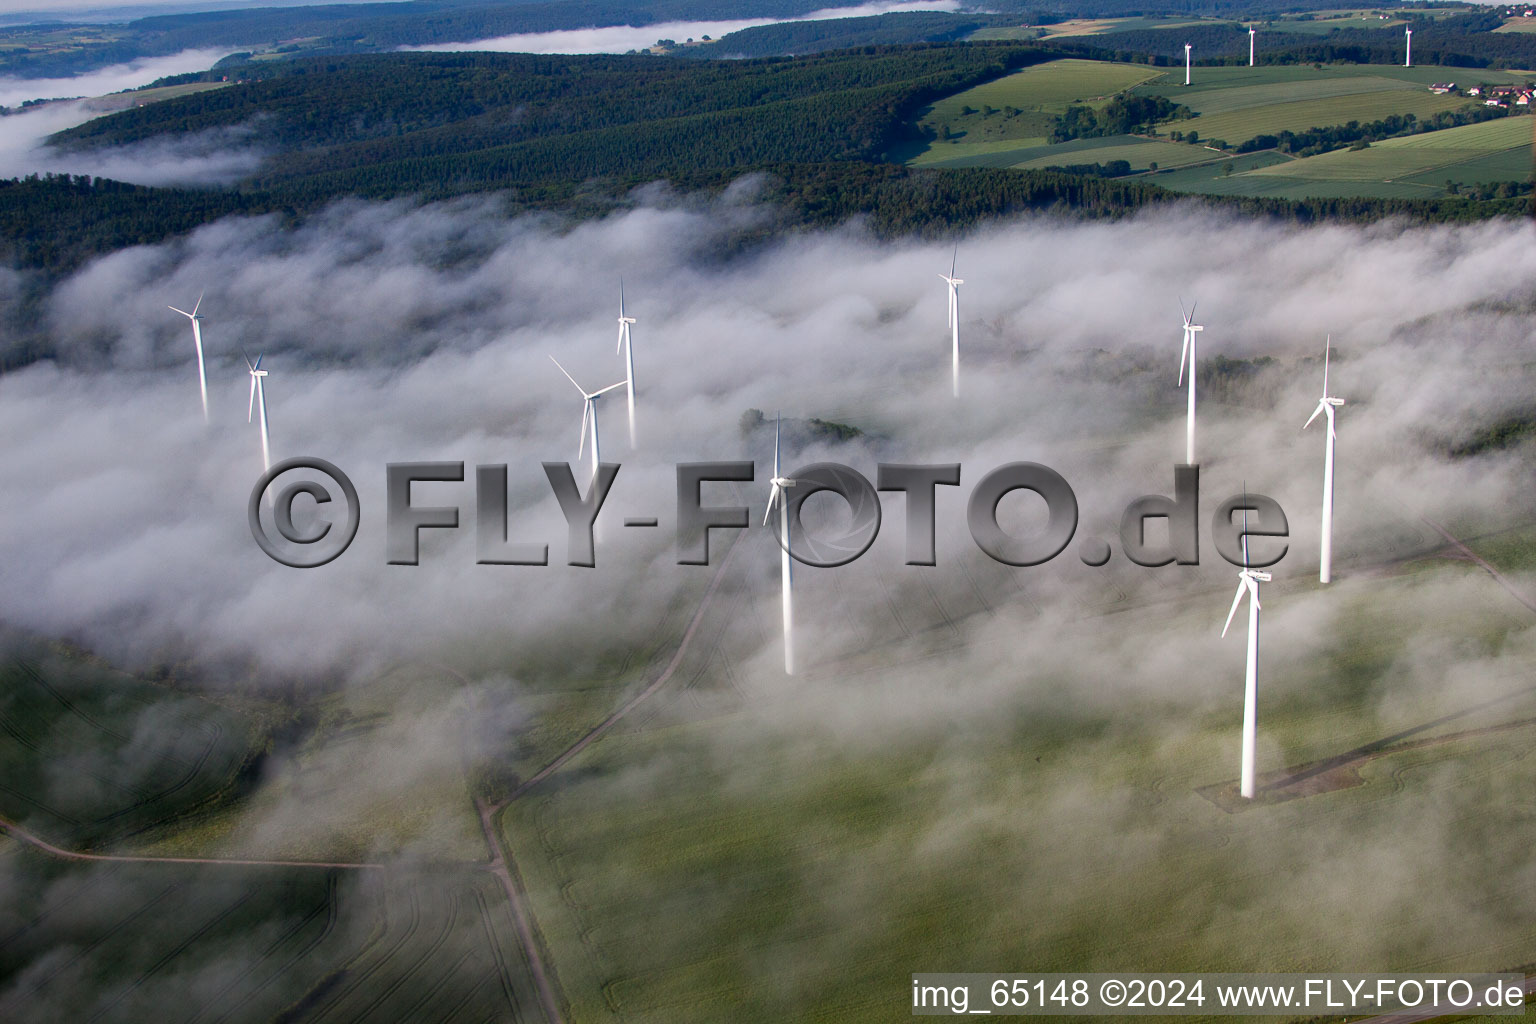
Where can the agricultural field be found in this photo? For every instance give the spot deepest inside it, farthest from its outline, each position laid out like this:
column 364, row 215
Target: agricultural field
column 1101, row 26
column 92, row 756
column 1018, row 110
column 134, row 942
column 1232, row 105
column 1236, row 104
column 1518, row 25
column 836, row 869
column 1324, row 22
column 1414, row 166
column 139, row 97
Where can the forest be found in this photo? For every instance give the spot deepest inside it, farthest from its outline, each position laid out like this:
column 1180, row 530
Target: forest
column 577, row 134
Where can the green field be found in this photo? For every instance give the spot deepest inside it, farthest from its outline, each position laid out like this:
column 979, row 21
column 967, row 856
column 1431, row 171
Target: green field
column 139, row 97
column 155, row 755
column 836, row 868
column 1037, row 94
column 139, row 942
column 1232, row 105
column 1236, row 104
column 1414, row 165
column 1140, row 153
column 1324, row 22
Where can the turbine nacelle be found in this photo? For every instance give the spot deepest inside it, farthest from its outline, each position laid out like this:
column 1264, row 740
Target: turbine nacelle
column 1247, row 583
column 256, row 373
column 776, row 497
column 194, row 315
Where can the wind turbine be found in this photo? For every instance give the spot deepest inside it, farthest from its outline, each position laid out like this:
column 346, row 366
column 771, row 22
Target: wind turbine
column 1248, row 581
column 197, row 341
column 1186, row 63
column 257, row 403
column 1251, row 31
column 786, row 563
column 626, row 349
column 1326, row 405
column 588, row 415
column 1408, row 47
column 954, row 318
column 1187, row 364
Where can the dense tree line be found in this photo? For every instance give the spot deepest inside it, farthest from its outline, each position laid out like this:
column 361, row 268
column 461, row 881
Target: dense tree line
column 1462, row 40
column 1120, row 116
column 439, row 124
column 1320, row 140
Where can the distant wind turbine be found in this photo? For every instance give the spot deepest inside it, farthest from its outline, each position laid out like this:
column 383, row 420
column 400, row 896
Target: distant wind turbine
column 197, row 341
column 1187, row 367
column 626, row 349
column 1248, row 581
column 1186, row 63
column 258, row 403
column 786, row 563
column 1408, row 47
column 954, row 318
column 1326, row 406
column 1251, row 31
column 588, row 416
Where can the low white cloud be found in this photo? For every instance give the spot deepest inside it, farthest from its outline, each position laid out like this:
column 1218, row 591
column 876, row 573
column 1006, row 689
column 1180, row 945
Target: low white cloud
column 623, row 38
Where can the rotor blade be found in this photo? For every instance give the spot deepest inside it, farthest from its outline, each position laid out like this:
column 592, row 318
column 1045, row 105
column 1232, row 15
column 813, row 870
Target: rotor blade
column 1253, row 588
column 1320, row 407
column 1183, row 357
column 778, row 431
column 1327, row 351
column 621, row 296
column 607, row 389
column 1192, row 307
column 619, row 348
column 953, row 259
column 244, row 355
column 199, row 301
column 567, row 375
column 773, row 496
column 586, row 410
column 251, row 406
column 181, row 311
column 1182, row 310
column 258, row 361
column 1237, row 600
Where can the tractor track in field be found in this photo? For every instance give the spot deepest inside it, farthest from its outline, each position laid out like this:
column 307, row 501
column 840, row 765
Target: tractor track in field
column 37, row 984
column 175, row 951
column 328, row 907
column 596, row 732
column 454, row 902
column 15, row 831
column 333, row 916
column 1473, row 557
column 330, row 999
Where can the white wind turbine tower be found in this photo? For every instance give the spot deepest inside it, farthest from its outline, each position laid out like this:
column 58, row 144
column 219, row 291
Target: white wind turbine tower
column 626, row 349
column 954, row 318
column 1248, row 581
column 1326, row 406
column 1187, row 366
column 258, row 403
column 1250, row 45
column 588, row 416
column 786, row 563
column 1186, row 63
column 1408, row 47
column 197, row 341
